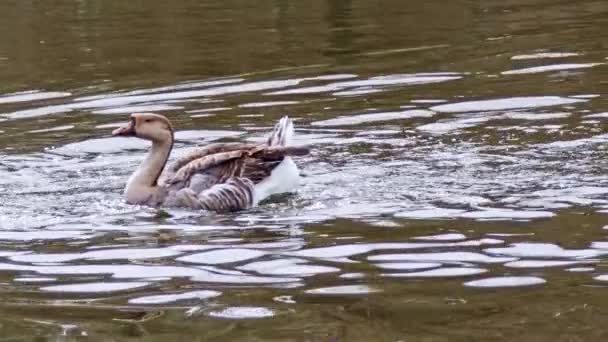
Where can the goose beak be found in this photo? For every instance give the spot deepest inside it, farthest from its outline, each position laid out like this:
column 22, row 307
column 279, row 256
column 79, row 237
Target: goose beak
column 127, row 130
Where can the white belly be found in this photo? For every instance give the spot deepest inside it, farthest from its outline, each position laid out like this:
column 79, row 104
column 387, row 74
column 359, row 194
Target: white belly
column 284, row 178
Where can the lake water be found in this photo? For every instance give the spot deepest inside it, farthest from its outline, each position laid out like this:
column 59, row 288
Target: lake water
column 456, row 190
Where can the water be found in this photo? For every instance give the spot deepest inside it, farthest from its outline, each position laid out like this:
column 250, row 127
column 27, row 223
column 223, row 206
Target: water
column 456, row 188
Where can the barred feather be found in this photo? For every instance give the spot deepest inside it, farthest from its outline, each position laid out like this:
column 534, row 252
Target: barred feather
column 235, row 194
column 207, row 150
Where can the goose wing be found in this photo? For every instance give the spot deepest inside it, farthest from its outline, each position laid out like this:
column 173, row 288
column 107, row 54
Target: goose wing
column 219, row 162
column 222, row 178
column 205, row 151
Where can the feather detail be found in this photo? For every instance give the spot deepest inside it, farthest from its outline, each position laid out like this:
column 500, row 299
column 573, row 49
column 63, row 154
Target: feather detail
column 202, row 164
column 235, row 194
column 207, row 150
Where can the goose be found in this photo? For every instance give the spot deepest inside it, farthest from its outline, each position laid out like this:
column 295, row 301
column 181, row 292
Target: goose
column 216, row 177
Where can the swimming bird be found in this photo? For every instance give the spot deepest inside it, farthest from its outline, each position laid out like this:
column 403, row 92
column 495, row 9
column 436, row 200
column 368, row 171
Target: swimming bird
column 218, row 177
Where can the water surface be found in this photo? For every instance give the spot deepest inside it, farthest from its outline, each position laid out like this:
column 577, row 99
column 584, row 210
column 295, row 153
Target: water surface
column 456, row 187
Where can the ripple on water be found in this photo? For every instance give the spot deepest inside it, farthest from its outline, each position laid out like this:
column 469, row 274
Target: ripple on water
column 343, row 290
column 379, row 81
column 169, row 88
column 506, row 214
column 597, row 115
column 535, row 116
column 442, row 237
column 581, row 269
column 105, row 254
column 506, row 282
column 115, row 101
column 348, row 250
column 354, row 275
column 409, row 266
column 505, row 104
column 543, row 250
column 434, row 213
column 172, row 298
column 284, row 299
column 98, row 287
column 541, row 55
column 340, row 251
column 374, row 117
column 576, row 195
column 243, row 312
column 204, row 135
column 443, row 127
column 442, row 257
column 121, row 144
column 137, row 109
column 554, row 67
column 544, row 263
column 33, row 95
column 600, row 244
column 573, row 144
column 267, row 104
column 34, row 279
column 40, row 111
column 144, row 272
column 5, row 254
column 102, row 145
column 46, row 235
column 357, row 91
column 222, row 256
column 52, row 129
column 297, row 267
column 440, row 273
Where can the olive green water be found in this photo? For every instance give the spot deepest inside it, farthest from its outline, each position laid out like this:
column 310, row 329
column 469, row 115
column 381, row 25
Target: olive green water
column 456, row 189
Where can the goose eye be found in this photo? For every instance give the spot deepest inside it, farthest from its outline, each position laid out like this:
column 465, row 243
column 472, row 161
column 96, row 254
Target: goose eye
column 148, row 120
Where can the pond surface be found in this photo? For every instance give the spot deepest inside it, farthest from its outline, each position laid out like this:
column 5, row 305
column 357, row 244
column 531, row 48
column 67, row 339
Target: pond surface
column 456, row 189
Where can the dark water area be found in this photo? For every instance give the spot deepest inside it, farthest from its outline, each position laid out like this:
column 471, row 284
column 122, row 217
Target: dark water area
column 456, row 189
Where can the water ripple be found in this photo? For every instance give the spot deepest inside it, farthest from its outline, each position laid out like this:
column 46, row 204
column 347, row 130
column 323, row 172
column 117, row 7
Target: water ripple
column 403, row 182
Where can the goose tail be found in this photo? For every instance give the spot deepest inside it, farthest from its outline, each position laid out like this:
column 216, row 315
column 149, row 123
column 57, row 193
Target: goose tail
column 282, row 134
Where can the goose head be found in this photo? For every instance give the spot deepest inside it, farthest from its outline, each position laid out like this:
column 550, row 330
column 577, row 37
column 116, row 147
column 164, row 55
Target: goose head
column 147, row 126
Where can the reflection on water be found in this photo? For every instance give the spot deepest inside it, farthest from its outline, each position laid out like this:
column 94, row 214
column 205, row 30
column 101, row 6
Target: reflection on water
column 457, row 174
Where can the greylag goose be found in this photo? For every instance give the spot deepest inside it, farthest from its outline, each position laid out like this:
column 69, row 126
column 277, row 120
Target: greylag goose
column 218, row 177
